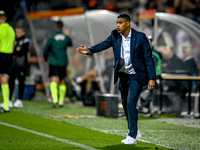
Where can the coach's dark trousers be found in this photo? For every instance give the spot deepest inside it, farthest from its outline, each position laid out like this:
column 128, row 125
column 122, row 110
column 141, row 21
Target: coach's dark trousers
column 130, row 91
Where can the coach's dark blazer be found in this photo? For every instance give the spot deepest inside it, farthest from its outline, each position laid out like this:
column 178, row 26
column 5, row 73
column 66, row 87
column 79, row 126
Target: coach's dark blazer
column 141, row 54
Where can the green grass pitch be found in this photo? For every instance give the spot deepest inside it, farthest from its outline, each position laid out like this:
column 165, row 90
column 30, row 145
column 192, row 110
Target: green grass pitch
column 38, row 126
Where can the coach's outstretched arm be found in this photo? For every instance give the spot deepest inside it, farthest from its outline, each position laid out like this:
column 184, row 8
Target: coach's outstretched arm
column 83, row 50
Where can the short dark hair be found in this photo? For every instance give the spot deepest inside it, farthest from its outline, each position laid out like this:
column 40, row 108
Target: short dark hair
column 59, row 24
column 125, row 16
column 20, row 27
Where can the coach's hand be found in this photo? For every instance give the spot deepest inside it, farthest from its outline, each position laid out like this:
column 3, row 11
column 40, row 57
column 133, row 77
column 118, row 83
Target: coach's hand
column 151, row 85
column 83, row 49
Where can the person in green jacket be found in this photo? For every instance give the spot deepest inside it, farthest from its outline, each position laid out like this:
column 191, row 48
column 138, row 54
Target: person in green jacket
column 7, row 38
column 56, row 49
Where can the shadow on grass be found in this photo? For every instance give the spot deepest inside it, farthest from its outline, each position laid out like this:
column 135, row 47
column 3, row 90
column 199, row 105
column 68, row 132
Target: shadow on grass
column 124, row 147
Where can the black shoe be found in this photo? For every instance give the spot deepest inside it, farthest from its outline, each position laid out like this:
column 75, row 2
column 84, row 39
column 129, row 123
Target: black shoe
column 54, row 105
column 4, row 111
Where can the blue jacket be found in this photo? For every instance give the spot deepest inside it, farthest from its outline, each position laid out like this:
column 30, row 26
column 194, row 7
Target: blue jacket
column 141, row 54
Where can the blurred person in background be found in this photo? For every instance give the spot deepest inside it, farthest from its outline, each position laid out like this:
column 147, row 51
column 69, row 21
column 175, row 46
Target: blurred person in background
column 7, row 38
column 174, row 65
column 157, row 57
column 92, row 4
column 159, row 5
column 107, row 73
column 189, row 63
column 20, row 65
column 171, row 61
column 88, row 87
column 56, row 49
column 188, row 8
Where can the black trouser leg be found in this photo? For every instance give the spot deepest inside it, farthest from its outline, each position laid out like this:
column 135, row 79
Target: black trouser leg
column 21, row 78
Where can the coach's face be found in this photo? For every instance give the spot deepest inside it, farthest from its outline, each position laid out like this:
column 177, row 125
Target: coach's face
column 122, row 25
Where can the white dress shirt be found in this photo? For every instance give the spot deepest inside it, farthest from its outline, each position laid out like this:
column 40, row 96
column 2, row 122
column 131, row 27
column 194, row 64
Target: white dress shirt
column 125, row 53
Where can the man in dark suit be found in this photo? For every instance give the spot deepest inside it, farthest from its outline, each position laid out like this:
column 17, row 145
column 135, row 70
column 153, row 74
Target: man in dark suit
column 134, row 66
column 189, row 61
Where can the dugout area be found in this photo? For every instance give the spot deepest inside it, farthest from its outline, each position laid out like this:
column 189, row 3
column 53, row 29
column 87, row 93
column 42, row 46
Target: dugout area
column 172, row 30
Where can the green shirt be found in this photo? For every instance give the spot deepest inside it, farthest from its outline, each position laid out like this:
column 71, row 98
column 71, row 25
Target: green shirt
column 7, row 38
column 56, row 48
column 158, row 63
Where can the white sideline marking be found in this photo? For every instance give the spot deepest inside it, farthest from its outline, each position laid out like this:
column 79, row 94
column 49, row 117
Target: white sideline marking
column 49, row 136
column 107, row 131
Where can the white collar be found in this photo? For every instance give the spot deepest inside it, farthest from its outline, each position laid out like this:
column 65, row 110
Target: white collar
column 187, row 58
column 129, row 35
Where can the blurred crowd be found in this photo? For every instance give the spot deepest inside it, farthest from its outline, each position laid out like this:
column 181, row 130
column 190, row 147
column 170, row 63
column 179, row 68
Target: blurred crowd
column 188, row 8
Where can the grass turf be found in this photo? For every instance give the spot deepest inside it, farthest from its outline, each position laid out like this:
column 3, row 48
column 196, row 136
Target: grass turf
column 15, row 139
column 56, row 121
column 67, row 131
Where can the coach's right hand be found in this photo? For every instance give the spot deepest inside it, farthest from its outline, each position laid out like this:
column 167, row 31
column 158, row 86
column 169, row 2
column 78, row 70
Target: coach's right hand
column 83, row 49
